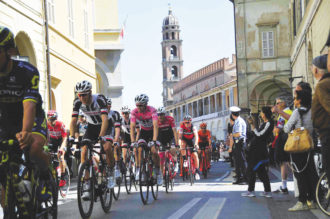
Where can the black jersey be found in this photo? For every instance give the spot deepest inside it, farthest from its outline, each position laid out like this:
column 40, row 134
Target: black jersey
column 93, row 111
column 114, row 121
column 16, row 87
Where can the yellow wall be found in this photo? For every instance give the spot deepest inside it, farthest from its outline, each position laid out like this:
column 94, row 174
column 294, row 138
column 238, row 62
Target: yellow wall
column 106, row 14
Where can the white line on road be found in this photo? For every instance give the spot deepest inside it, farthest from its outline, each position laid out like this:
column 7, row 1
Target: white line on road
column 224, row 176
column 211, row 209
column 184, row 209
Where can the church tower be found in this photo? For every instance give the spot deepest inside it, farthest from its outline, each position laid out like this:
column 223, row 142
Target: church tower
column 171, row 56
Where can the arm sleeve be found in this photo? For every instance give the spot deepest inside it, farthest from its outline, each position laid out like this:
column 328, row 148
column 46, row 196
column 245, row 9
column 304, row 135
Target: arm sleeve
column 31, row 92
column 291, row 122
column 102, row 102
column 263, row 131
column 324, row 96
column 76, row 107
column 133, row 117
column 238, row 128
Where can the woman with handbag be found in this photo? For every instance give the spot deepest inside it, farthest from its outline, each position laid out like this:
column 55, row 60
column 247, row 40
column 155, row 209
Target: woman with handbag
column 257, row 155
column 301, row 155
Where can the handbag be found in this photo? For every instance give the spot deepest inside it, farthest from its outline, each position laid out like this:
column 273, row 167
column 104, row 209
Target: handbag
column 299, row 140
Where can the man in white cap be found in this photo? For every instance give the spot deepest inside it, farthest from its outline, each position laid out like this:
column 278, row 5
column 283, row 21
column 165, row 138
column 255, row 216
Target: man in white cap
column 239, row 135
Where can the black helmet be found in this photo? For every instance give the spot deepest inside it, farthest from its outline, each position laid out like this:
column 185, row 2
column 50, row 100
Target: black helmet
column 6, row 38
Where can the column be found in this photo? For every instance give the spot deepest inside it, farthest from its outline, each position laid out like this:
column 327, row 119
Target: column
column 192, row 109
column 197, row 111
column 181, row 111
column 203, row 106
column 209, row 97
column 224, row 106
column 215, row 103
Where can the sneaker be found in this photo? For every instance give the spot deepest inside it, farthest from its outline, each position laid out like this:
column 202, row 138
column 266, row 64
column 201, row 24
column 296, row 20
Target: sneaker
column 159, row 180
column 299, row 206
column 266, row 194
column 311, row 204
column 62, row 183
column 86, row 194
column 281, row 190
column 248, row 194
column 117, row 173
column 197, row 177
column 111, row 182
column 137, row 175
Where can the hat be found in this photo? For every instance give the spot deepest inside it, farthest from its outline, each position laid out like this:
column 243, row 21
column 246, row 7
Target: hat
column 234, row 109
column 321, row 62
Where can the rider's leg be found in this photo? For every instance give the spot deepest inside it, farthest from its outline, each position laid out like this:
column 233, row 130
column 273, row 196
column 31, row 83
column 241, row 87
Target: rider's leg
column 162, row 160
column 108, row 148
column 37, row 154
column 199, row 157
column 139, row 156
column 196, row 160
column 155, row 156
column 207, row 154
column 173, row 153
column 60, row 157
column 124, row 153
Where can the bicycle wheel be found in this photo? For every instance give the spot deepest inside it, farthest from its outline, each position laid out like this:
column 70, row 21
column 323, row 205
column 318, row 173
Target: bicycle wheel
column 153, row 183
column 322, row 190
column 64, row 190
column 11, row 210
column 116, row 189
column 85, row 185
column 143, row 182
column 190, row 172
column 129, row 175
column 104, row 192
column 167, row 176
column 204, row 166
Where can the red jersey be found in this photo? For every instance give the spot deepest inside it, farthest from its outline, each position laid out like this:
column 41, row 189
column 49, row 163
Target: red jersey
column 167, row 123
column 57, row 131
column 204, row 137
column 187, row 133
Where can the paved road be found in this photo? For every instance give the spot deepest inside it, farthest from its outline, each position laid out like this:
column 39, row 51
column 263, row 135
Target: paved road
column 214, row 197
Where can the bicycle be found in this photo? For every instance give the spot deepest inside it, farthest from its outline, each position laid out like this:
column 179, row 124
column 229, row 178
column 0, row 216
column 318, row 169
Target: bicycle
column 24, row 187
column 129, row 178
column 203, row 163
column 121, row 165
column 93, row 178
column 146, row 178
column 169, row 173
column 188, row 169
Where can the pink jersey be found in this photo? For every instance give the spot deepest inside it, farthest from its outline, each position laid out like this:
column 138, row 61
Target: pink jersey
column 169, row 122
column 146, row 118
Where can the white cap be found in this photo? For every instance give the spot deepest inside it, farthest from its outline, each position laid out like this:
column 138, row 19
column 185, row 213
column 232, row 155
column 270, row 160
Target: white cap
column 234, row 109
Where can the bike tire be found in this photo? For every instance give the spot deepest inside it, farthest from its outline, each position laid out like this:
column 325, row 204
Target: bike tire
column 64, row 190
column 144, row 185
column 104, row 192
column 86, row 166
column 322, row 189
column 167, row 176
column 116, row 189
column 204, row 167
column 190, row 173
column 10, row 211
column 153, row 182
column 128, row 176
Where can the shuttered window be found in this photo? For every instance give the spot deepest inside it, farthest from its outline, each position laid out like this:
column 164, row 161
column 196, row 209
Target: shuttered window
column 267, row 44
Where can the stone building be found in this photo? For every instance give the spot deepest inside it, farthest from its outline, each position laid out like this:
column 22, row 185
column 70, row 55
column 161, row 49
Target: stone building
column 310, row 27
column 263, row 43
column 207, row 95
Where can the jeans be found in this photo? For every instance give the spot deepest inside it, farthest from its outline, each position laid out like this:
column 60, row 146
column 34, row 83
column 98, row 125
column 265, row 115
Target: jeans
column 239, row 158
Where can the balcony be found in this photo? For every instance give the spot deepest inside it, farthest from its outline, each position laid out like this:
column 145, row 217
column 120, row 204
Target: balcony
column 211, row 116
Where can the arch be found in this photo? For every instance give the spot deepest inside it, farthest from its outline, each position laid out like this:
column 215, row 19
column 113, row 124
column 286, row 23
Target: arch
column 174, row 52
column 53, row 100
column 25, row 47
column 174, row 71
column 102, row 82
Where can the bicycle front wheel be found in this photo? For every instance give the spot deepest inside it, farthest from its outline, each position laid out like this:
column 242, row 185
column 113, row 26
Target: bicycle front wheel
column 105, row 192
column 190, row 172
column 85, row 189
column 143, row 182
column 322, row 194
column 167, row 176
column 64, row 188
column 153, row 182
column 204, row 166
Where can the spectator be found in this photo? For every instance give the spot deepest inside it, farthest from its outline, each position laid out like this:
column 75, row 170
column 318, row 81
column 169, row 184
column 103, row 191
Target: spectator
column 281, row 157
column 258, row 153
column 239, row 136
column 230, row 141
column 328, row 45
column 303, row 163
column 321, row 108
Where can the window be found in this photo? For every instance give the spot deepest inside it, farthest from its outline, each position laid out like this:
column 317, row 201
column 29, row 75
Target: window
column 267, row 44
column 173, row 36
column 166, row 36
column 86, row 28
column 174, row 71
column 50, row 11
column 70, row 18
column 173, row 51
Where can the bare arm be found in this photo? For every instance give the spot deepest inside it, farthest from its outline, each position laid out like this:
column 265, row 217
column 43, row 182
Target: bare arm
column 132, row 132
column 175, row 135
column 117, row 134
column 104, row 125
column 29, row 113
column 155, row 125
column 73, row 126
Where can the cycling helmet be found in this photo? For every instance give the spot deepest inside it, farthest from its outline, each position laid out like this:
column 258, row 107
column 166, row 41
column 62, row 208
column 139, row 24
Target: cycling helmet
column 161, row 110
column 187, row 118
column 52, row 114
column 6, row 38
column 109, row 101
column 142, row 99
column 125, row 109
column 203, row 125
column 83, row 86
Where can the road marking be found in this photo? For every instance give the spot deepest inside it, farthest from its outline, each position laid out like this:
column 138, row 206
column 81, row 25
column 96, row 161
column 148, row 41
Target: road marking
column 184, row 209
column 224, row 176
column 211, row 209
column 275, row 172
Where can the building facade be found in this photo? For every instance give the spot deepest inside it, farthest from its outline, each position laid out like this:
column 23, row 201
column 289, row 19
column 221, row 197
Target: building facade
column 310, row 27
column 108, row 49
column 263, row 43
column 206, row 95
column 171, row 56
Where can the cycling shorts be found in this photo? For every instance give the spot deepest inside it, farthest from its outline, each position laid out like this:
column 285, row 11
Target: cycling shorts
column 146, row 135
column 55, row 144
column 203, row 145
column 92, row 132
column 126, row 138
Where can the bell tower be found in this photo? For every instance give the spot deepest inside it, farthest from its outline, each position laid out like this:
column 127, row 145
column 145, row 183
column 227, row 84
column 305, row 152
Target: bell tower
column 171, row 56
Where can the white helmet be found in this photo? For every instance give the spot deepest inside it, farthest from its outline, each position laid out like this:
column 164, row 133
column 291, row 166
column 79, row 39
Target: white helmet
column 109, row 101
column 142, row 98
column 161, row 110
column 187, row 117
column 125, row 109
column 83, row 86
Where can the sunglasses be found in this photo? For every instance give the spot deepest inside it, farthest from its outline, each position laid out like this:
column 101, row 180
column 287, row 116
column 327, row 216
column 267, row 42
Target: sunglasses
column 278, row 103
column 187, row 122
column 83, row 95
column 139, row 105
column 125, row 113
column 160, row 114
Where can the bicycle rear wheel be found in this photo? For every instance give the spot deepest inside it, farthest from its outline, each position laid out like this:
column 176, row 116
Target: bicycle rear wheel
column 105, row 193
column 190, row 171
column 204, row 166
column 116, row 189
column 64, row 190
column 322, row 190
column 167, row 176
column 143, row 182
column 129, row 176
column 153, row 182
column 85, row 185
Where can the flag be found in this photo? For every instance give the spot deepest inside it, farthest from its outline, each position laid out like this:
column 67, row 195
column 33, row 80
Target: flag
column 123, row 28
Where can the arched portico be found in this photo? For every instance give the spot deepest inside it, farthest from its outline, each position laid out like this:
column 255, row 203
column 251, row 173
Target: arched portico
column 25, row 47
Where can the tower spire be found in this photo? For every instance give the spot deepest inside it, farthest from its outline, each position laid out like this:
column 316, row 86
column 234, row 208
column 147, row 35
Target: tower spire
column 169, row 8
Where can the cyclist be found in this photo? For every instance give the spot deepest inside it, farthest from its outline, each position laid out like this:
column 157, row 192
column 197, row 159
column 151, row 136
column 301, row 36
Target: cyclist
column 57, row 138
column 114, row 130
column 187, row 135
column 94, row 107
column 21, row 113
column 146, row 116
column 204, row 141
column 167, row 136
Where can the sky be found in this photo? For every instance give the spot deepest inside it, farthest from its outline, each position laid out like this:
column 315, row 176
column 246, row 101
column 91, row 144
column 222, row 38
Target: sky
column 207, row 31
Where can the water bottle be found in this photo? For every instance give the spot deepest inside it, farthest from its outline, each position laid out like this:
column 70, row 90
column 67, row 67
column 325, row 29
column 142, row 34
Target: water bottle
column 99, row 178
column 25, row 189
